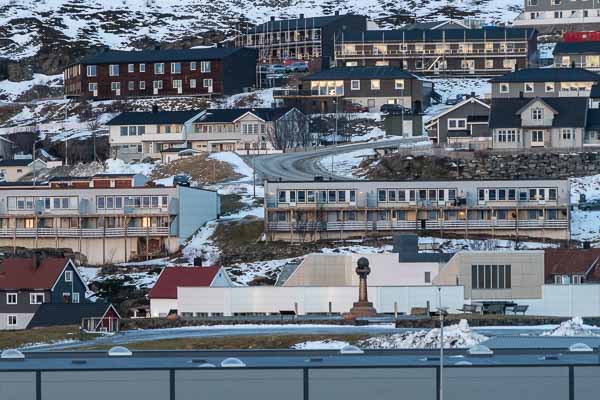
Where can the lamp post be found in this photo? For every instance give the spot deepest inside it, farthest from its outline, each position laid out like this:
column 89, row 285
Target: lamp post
column 442, row 311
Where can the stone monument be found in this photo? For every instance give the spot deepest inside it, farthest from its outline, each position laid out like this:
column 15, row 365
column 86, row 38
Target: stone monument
column 362, row 308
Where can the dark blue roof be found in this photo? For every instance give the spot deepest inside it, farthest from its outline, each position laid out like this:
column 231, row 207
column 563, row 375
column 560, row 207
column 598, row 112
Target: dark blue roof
column 437, row 35
column 549, row 75
column 231, row 114
column 150, row 56
column 16, row 163
column 577, row 48
column 54, row 314
column 571, row 111
column 153, row 118
column 360, row 73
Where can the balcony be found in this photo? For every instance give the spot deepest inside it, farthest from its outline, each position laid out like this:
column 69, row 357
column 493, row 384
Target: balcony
column 282, row 93
column 83, row 232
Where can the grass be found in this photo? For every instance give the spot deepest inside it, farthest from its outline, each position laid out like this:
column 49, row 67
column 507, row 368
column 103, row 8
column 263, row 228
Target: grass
column 200, row 168
column 14, row 339
column 244, row 342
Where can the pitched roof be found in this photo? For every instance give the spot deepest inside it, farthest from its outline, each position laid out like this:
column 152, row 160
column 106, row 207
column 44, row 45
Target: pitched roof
column 23, row 162
column 296, row 23
column 232, row 114
column 21, row 273
column 53, row 314
column 360, row 73
column 436, row 35
column 577, row 48
column 466, row 102
column 150, row 56
column 572, row 111
column 572, row 262
column 548, row 75
column 153, row 118
column 172, row 277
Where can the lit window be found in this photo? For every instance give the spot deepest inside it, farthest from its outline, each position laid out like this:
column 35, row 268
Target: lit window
column 375, row 84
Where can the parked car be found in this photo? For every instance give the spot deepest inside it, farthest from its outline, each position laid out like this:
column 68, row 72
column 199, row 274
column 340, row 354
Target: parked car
column 278, row 69
column 181, row 180
column 355, row 108
column 299, row 66
column 394, row 108
column 452, row 101
column 591, row 205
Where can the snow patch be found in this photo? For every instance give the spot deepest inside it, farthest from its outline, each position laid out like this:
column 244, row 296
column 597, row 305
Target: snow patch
column 572, row 327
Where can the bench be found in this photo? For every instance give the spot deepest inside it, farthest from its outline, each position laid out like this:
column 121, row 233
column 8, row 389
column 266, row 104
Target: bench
column 469, row 308
column 520, row 309
column 495, row 309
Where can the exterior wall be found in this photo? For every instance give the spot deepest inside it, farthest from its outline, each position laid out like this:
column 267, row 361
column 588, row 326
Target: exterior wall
column 61, row 286
column 566, row 301
column 271, row 300
column 527, row 274
column 553, row 138
column 23, row 301
column 23, row 320
column 587, row 61
column 196, row 207
column 467, row 110
column 516, row 89
column 13, row 174
column 546, row 16
column 161, row 307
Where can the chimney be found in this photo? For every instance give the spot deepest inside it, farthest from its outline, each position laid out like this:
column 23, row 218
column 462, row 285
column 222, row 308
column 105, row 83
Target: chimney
column 337, row 12
column 219, row 45
column 154, row 108
column 157, row 47
column 198, row 261
column 272, row 18
column 37, row 260
column 301, row 16
column 473, row 94
column 572, row 64
column 521, row 94
column 105, row 49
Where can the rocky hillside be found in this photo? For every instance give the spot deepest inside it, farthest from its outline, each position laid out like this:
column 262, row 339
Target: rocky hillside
column 41, row 36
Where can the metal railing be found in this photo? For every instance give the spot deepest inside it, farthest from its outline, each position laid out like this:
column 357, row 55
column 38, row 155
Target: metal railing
column 83, row 232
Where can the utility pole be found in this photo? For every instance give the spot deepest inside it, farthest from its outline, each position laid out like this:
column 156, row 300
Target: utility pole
column 335, row 102
column 443, row 311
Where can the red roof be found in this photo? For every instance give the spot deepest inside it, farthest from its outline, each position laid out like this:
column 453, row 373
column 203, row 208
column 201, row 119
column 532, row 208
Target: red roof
column 172, row 277
column 21, row 273
column 572, row 262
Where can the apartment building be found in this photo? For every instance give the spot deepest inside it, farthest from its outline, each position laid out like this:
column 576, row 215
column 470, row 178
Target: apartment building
column 543, row 108
column 552, row 16
column 307, row 210
column 138, row 135
column 115, row 74
column 577, row 54
column 108, row 218
column 304, row 38
column 449, row 50
column 341, row 88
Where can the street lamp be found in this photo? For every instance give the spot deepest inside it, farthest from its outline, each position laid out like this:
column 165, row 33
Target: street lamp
column 442, row 311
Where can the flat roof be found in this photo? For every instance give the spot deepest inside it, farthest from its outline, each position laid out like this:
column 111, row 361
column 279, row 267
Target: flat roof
column 325, row 180
column 268, row 359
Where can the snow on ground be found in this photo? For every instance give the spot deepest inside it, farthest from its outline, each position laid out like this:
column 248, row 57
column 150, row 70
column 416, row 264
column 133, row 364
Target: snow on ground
column 572, row 327
column 244, row 273
column 545, row 50
column 585, row 225
column 449, row 88
column 236, row 162
column 11, row 91
column 326, row 344
column 118, row 166
column 202, row 246
column 258, row 98
column 345, row 163
column 88, row 274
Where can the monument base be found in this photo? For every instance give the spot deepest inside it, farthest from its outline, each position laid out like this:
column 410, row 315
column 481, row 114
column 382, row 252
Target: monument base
column 361, row 309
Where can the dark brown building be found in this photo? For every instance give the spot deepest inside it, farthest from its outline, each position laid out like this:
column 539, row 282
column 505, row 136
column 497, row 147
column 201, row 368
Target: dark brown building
column 114, row 74
column 453, row 51
column 301, row 38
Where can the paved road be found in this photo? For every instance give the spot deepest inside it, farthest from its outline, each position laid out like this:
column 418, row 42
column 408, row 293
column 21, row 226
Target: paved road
column 305, row 165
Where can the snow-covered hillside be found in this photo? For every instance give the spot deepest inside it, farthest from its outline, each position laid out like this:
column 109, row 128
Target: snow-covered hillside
column 26, row 26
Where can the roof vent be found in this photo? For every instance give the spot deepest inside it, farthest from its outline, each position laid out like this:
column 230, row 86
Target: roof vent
column 551, row 357
column 232, row 363
column 12, row 354
column 580, row 348
column 207, row 365
column 463, row 363
column 351, row 349
column 119, row 351
column 480, row 350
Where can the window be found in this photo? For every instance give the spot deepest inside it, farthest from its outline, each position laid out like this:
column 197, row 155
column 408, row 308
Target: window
column 532, row 2
column 457, row 123
column 375, row 84
column 332, row 196
column 491, row 276
column 489, row 64
column 427, row 277
column 193, row 65
column 504, row 88
column 68, row 276
column 282, row 196
column 100, row 203
column 549, row 87
column 93, row 87
column 537, row 114
column 159, row 68
column 175, row 67
column 113, row 70
column 131, row 85
column 310, row 196
column 556, row 2
column 567, row 134
column 11, row 298
column 76, row 297
column 205, row 66
column 341, row 196
column 114, row 86
column 354, row 85
column 537, row 138
column 130, row 67
column 207, row 83
column 391, row 195
column 509, row 63
column 382, row 195
column 142, row 67
column 352, row 195
column 399, row 84
column 36, row 298
column 157, row 84
column 177, row 83
column 192, row 84
column 142, row 85
column 551, row 194
column 11, row 320
column 91, row 70
column 529, row 87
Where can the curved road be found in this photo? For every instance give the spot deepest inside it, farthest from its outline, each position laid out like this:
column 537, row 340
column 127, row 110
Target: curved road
column 305, row 165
